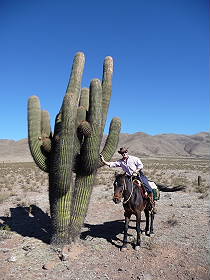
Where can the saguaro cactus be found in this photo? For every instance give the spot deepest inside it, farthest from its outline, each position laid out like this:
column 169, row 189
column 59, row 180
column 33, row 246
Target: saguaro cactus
column 71, row 154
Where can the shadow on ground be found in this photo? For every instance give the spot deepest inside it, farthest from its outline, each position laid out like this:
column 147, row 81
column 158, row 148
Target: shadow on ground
column 108, row 231
column 33, row 222
column 29, row 221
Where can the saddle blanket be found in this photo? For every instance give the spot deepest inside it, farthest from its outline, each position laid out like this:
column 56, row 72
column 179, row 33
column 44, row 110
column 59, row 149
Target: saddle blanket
column 156, row 191
column 152, row 185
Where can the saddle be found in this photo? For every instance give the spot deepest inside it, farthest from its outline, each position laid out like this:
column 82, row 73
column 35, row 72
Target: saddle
column 141, row 187
column 144, row 194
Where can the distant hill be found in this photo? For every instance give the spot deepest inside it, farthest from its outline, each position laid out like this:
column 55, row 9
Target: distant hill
column 139, row 144
column 167, row 145
column 14, row 151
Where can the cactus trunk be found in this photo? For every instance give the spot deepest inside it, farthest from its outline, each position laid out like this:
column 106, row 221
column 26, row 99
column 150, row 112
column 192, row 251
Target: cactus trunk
column 82, row 193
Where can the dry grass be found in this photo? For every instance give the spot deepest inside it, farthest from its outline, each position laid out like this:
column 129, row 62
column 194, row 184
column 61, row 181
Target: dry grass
column 174, row 172
column 5, row 232
column 172, row 221
column 17, row 179
column 4, row 196
column 169, row 171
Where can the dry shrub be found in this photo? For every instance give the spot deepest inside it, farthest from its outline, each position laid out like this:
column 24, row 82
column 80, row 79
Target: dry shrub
column 172, row 221
column 4, row 196
column 5, row 232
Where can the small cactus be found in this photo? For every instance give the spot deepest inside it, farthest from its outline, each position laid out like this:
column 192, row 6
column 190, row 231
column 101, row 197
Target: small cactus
column 71, row 154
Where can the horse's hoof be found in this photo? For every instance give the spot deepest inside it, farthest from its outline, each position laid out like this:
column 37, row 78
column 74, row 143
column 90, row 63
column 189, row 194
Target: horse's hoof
column 137, row 248
column 147, row 233
column 123, row 248
column 152, row 233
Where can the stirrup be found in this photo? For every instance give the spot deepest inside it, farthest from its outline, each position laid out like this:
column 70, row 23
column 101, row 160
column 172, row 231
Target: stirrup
column 154, row 209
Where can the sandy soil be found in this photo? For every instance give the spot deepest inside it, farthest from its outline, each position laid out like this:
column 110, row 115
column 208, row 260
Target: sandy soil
column 178, row 250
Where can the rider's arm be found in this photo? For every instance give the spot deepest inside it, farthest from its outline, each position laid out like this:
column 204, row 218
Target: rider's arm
column 109, row 163
column 103, row 160
column 139, row 166
column 137, row 170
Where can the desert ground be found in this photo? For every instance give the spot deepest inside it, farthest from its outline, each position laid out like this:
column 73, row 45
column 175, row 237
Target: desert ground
column 178, row 250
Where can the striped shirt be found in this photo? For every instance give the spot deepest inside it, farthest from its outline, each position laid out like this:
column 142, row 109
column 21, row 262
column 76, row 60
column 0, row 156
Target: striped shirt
column 129, row 165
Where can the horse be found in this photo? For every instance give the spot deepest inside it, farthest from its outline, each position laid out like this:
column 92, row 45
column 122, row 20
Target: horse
column 134, row 202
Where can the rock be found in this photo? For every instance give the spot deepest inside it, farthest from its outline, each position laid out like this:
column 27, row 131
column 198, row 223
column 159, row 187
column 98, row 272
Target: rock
column 63, row 257
column 5, row 250
column 65, row 249
column 50, row 265
column 27, row 248
column 12, row 259
column 64, row 254
column 147, row 276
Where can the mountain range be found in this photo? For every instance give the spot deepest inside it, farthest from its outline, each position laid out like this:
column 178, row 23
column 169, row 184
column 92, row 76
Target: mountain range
column 139, row 144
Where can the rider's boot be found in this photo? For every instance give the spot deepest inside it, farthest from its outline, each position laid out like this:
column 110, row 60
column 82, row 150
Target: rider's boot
column 154, row 208
column 151, row 198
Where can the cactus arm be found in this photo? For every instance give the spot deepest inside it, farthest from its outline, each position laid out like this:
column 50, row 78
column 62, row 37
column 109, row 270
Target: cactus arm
column 81, row 117
column 90, row 147
column 95, row 109
column 111, row 141
column 76, row 74
column 84, row 98
column 74, row 85
column 106, row 87
column 34, row 133
column 46, row 131
column 45, row 123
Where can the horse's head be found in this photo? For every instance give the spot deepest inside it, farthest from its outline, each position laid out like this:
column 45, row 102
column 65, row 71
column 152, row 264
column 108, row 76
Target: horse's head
column 119, row 186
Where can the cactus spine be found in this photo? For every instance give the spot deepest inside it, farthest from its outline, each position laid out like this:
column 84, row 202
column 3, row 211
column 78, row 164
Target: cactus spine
column 71, row 154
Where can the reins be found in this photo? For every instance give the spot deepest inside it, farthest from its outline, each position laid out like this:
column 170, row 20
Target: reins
column 124, row 188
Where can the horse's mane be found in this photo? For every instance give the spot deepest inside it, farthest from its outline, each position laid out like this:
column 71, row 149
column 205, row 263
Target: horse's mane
column 119, row 174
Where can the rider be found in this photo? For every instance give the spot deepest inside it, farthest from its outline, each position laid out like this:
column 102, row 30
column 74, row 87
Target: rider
column 132, row 166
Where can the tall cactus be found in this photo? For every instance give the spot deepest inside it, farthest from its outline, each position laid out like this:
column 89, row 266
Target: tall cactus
column 71, row 154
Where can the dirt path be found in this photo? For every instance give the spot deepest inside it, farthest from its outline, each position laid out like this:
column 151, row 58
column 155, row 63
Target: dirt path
column 177, row 251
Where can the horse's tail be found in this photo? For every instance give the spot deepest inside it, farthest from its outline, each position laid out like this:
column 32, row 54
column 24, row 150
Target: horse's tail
column 164, row 188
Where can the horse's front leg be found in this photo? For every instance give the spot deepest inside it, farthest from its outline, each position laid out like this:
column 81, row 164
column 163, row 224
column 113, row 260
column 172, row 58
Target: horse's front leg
column 138, row 231
column 125, row 238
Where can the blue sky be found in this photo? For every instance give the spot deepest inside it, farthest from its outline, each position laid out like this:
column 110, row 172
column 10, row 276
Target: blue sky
column 160, row 50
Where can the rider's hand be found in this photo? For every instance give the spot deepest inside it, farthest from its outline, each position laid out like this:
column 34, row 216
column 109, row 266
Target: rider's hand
column 101, row 157
column 134, row 173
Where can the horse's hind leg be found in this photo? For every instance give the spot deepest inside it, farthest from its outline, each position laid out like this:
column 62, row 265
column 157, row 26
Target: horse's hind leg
column 125, row 238
column 151, row 223
column 147, row 227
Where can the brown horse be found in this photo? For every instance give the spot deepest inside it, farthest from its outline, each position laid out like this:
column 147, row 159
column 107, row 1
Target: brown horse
column 134, row 203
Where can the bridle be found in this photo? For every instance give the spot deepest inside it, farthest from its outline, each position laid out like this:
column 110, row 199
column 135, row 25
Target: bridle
column 125, row 188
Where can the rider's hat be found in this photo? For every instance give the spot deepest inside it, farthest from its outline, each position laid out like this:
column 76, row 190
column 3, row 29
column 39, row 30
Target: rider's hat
column 123, row 150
